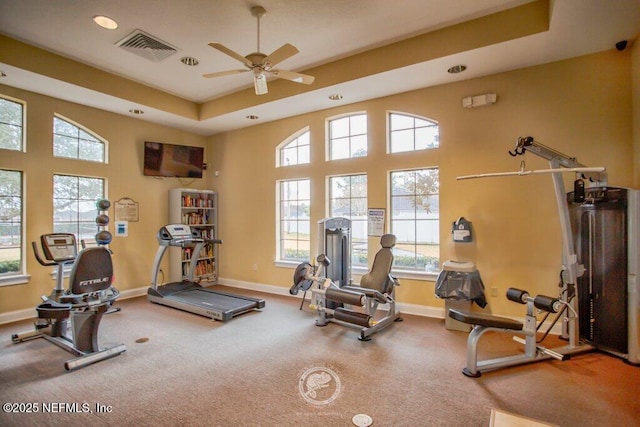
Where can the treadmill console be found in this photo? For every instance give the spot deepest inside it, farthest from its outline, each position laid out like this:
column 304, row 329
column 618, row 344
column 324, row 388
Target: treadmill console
column 59, row 247
column 178, row 234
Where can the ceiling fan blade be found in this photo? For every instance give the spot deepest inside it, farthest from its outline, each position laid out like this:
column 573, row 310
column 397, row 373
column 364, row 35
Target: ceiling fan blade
column 260, row 83
column 231, row 53
column 223, row 73
column 286, row 51
column 293, row 76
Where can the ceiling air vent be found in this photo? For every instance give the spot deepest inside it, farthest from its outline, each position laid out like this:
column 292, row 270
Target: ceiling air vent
column 146, row 46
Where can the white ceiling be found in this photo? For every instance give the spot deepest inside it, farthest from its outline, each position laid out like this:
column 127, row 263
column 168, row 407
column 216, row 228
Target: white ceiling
column 323, row 30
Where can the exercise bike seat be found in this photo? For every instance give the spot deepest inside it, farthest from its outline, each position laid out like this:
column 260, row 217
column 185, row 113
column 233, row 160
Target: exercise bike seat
column 51, row 309
column 486, row 320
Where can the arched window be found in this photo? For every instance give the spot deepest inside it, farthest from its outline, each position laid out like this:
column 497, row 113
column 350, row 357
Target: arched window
column 411, row 133
column 74, row 142
column 295, row 150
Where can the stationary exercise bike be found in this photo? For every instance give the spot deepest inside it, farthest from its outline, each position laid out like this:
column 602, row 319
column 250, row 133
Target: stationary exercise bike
column 70, row 318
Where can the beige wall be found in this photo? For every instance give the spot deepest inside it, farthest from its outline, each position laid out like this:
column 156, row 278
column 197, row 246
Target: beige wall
column 581, row 107
column 133, row 255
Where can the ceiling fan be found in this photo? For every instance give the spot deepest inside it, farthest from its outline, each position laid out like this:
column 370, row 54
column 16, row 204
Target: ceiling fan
column 260, row 64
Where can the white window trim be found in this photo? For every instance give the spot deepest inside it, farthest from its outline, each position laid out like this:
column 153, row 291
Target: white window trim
column 24, row 120
column 327, row 133
column 90, row 132
column 415, row 116
column 289, row 140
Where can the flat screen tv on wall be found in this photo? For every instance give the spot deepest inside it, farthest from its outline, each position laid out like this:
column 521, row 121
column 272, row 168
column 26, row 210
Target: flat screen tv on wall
column 170, row 160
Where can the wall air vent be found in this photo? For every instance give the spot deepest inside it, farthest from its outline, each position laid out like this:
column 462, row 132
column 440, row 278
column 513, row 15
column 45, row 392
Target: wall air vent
column 146, row 46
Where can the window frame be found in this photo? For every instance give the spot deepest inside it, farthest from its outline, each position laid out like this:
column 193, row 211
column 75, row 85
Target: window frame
column 414, row 117
column 295, row 137
column 80, row 128
column 23, row 123
column 403, row 271
column 280, row 258
column 329, row 210
column 21, row 276
column 330, row 140
column 77, row 228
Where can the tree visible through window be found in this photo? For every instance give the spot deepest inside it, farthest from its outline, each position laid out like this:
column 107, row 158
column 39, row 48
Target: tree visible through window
column 348, row 137
column 295, row 223
column 10, row 223
column 74, row 205
column 415, row 219
column 348, row 199
column 70, row 141
column 11, row 124
column 411, row 133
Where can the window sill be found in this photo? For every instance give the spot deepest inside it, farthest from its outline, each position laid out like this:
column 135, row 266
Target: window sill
column 18, row 279
column 359, row 271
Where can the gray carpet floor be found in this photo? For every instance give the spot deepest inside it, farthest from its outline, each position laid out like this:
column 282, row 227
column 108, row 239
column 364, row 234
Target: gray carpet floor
column 256, row 370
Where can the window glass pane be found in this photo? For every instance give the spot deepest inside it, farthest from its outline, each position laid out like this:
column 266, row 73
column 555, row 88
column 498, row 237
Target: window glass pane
column 10, row 223
column 359, row 146
column 72, row 142
column 295, row 207
column 74, row 205
column 11, row 125
column 348, row 137
column 415, row 218
column 409, row 133
column 402, row 141
column 358, row 124
column 340, row 149
column 401, row 121
column 339, row 128
column 64, row 146
column 296, row 151
column 348, row 199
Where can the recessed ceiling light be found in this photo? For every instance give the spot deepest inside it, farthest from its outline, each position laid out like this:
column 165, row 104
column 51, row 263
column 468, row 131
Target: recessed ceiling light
column 190, row 61
column 105, row 22
column 3, row 74
column 457, row 69
column 335, row 97
column 252, row 117
column 136, row 111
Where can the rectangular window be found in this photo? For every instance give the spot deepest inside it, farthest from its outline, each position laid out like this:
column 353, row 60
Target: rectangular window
column 12, row 118
column 348, row 199
column 295, row 223
column 415, row 219
column 348, row 137
column 74, row 205
column 11, row 232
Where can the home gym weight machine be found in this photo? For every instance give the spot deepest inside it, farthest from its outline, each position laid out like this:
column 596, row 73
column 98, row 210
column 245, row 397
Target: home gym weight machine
column 586, row 217
column 332, row 287
column 81, row 307
column 188, row 295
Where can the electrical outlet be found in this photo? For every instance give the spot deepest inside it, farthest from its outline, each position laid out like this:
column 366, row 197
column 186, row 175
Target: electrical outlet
column 255, row 267
column 494, row 291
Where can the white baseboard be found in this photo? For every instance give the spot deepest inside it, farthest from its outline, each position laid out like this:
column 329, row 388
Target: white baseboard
column 413, row 309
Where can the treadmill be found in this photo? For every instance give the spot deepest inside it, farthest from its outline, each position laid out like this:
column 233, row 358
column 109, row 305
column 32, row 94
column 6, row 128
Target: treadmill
column 189, row 295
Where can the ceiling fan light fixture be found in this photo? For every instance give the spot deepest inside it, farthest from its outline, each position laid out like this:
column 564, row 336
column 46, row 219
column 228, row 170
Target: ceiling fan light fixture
column 260, row 82
column 136, row 111
column 252, row 117
column 105, row 22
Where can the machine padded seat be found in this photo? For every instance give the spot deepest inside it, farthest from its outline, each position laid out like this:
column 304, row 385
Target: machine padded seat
column 485, row 320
